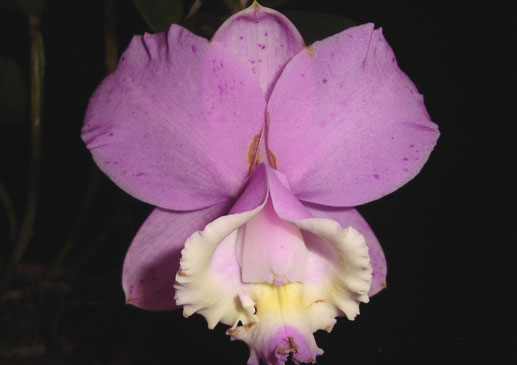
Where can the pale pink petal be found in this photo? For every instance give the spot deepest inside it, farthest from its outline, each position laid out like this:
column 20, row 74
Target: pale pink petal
column 153, row 258
column 349, row 217
column 262, row 39
column 173, row 124
column 347, row 126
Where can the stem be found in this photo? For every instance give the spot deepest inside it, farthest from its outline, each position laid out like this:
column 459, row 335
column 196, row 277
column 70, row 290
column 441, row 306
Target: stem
column 37, row 62
column 79, row 223
column 9, row 210
column 110, row 33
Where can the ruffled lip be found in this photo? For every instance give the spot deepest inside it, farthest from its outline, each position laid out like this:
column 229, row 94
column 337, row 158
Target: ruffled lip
column 274, row 320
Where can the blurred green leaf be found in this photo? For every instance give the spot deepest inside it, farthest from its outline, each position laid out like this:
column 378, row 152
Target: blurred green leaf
column 203, row 24
column 315, row 26
column 160, row 14
column 273, row 3
column 235, row 5
column 13, row 91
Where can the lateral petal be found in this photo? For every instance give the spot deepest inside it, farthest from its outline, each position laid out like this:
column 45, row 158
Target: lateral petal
column 172, row 125
column 346, row 124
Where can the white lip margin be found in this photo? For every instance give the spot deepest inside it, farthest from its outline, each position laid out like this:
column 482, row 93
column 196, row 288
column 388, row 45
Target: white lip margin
column 197, row 290
column 352, row 274
column 347, row 284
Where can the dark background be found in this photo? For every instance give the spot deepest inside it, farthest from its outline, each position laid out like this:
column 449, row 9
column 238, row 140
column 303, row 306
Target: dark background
column 446, row 234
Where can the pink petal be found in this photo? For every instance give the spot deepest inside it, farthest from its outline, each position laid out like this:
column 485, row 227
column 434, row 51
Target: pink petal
column 172, row 125
column 349, row 217
column 153, row 258
column 346, row 124
column 262, row 39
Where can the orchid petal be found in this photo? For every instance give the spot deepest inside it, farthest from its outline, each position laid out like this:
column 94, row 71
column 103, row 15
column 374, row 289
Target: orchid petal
column 172, row 125
column 347, row 126
column 153, row 258
column 262, row 39
column 349, row 217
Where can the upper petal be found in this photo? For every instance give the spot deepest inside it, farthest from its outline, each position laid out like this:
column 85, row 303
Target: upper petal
column 346, row 124
column 173, row 123
column 153, row 258
column 349, row 217
column 262, row 39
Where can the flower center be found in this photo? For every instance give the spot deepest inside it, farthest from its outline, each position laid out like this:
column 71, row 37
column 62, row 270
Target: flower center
column 278, row 299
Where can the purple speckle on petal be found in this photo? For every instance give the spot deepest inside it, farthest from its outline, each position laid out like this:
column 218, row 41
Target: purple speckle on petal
column 110, row 134
column 406, row 170
column 265, row 34
column 140, row 174
column 376, row 176
column 411, row 145
column 194, row 49
column 324, row 81
column 241, row 37
column 405, row 159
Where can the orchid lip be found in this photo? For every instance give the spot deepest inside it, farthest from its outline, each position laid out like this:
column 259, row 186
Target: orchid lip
column 229, row 275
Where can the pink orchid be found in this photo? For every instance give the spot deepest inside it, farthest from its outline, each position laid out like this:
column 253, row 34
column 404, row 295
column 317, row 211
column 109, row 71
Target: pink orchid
column 254, row 148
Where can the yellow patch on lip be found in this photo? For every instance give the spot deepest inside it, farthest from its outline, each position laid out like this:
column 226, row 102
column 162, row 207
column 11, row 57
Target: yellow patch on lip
column 274, row 299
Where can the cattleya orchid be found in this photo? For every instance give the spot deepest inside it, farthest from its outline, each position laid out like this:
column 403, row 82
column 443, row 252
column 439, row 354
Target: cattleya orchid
column 254, row 148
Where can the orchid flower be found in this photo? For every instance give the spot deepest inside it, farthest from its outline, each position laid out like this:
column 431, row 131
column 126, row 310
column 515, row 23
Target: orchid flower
column 255, row 148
